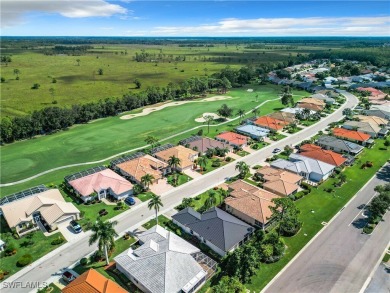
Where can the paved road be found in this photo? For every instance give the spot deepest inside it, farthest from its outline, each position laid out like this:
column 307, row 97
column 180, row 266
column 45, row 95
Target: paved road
column 341, row 258
column 71, row 252
column 380, row 281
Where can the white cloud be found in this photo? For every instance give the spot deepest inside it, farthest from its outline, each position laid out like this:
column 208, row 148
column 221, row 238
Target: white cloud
column 321, row 26
column 13, row 11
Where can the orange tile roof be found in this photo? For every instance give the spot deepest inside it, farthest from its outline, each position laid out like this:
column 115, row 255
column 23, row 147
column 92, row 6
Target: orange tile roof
column 326, row 156
column 251, row 200
column 281, row 187
column 283, row 116
column 233, row 138
column 101, row 180
column 309, row 147
column 271, row 123
column 93, row 282
column 373, row 91
column 185, row 155
column 311, row 104
column 141, row 166
column 351, row 134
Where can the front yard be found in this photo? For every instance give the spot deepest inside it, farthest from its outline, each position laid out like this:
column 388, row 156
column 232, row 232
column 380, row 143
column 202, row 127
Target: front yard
column 213, row 164
column 162, row 220
column 36, row 246
column 181, row 179
column 145, row 196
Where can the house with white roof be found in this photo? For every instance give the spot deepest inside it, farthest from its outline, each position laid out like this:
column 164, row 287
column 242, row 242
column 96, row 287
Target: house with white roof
column 164, row 263
column 311, row 169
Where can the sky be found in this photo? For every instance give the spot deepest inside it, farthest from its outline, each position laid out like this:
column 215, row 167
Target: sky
column 194, row 18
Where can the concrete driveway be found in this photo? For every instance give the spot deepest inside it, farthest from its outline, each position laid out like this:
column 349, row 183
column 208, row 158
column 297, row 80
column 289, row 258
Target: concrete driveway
column 161, row 187
column 68, row 232
column 192, row 173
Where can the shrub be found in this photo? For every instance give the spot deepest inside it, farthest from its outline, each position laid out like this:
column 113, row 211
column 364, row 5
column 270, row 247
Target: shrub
column 200, row 132
column 306, row 192
column 228, row 159
column 54, row 80
column 216, row 163
column 24, row 260
column 306, row 186
column 58, row 240
column 36, row 86
column 98, row 256
column 10, row 250
column 197, row 197
column 84, row 261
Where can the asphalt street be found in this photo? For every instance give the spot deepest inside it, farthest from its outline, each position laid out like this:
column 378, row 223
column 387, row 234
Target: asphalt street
column 54, row 262
column 341, row 258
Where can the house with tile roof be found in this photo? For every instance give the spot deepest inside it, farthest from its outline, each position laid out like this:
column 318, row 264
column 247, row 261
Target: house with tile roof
column 47, row 207
column 270, row 123
column 283, row 116
column 250, row 203
column 136, row 168
column 92, row 281
column 311, row 169
column 254, row 132
column 215, row 228
column 102, row 184
column 339, row 145
column 352, row 135
column 202, row 144
column 232, row 138
column 187, row 156
column 379, row 121
column 311, row 104
column 379, row 111
column 367, row 127
column 317, row 153
column 279, row 181
column 164, row 263
column 325, row 98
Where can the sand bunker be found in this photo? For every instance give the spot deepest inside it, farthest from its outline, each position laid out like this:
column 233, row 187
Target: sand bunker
column 151, row 109
column 201, row 119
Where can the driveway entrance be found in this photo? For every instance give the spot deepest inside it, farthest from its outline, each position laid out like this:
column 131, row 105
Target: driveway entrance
column 67, row 231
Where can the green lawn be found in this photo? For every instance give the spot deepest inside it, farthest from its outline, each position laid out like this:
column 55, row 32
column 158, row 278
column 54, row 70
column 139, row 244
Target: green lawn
column 325, row 206
column 41, row 246
column 242, row 153
column 162, row 220
column 209, row 166
column 200, row 199
column 145, row 196
column 120, row 246
column 181, row 179
column 105, row 137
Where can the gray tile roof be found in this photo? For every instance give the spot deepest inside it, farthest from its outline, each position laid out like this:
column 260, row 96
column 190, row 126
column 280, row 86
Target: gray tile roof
column 163, row 263
column 215, row 225
column 344, row 145
column 253, row 130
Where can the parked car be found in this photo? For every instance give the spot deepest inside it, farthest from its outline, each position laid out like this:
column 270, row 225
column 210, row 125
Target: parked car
column 75, row 226
column 130, row 200
column 275, row 151
column 68, row 276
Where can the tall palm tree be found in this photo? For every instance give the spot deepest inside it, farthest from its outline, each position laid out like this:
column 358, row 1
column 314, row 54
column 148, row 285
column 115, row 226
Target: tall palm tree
column 155, row 203
column 146, row 180
column 202, row 162
column 243, row 168
column 241, row 113
column 208, row 119
column 223, row 194
column 103, row 233
column 306, row 113
column 224, row 152
column 210, row 201
column 174, row 162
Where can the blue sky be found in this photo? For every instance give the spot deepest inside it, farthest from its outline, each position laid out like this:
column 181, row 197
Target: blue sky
column 194, row 18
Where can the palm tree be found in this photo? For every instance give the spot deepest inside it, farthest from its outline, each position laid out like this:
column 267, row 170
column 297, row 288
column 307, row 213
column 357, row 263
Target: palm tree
column 104, row 233
column 202, row 162
column 306, row 113
column 243, row 168
column 210, row 201
column 208, row 119
column 151, row 140
column 223, row 194
column 146, row 180
column 174, row 162
column 155, row 203
column 241, row 113
column 256, row 111
column 224, row 152
column 210, row 153
column 187, row 202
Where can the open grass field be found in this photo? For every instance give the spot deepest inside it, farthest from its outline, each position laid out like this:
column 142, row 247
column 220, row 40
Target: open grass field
column 106, row 137
column 79, row 82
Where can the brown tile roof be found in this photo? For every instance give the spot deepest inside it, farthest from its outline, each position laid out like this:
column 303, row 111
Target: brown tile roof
column 312, row 104
column 326, row 156
column 271, row 123
column 283, row 116
column 281, row 187
column 351, row 134
column 207, row 143
column 184, row 154
column 233, row 138
column 372, row 119
column 93, row 282
column 141, row 166
column 104, row 179
column 273, row 174
column 251, row 200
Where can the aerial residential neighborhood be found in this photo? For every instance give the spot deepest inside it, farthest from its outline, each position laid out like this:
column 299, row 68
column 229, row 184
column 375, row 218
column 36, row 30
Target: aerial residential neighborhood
column 195, row 147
